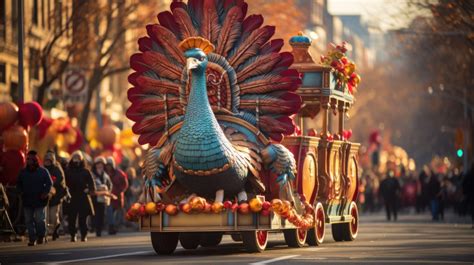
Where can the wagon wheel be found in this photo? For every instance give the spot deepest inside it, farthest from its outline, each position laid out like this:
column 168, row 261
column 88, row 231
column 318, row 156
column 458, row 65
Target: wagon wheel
column 210, row 239
column 337, row 232
column 236, row 237
column 295, row 238
column 316, row 234
column 164, row 243
column 351, row 229
column 255, row 241
column 189, row 240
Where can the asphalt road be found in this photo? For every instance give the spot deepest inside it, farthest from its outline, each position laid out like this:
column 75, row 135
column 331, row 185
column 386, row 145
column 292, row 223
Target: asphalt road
column 412, row 240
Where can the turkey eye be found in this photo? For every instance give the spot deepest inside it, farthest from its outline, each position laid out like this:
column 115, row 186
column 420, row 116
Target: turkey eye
column 202, row 59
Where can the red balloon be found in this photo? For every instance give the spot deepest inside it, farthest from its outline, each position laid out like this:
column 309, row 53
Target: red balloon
column 12, row 162
column 30, row 113
column 8, row 114
column 15, row 138
column 78, row 143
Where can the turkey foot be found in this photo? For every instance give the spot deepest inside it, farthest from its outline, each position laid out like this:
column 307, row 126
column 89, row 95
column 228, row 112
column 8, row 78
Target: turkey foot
column 219, row 196
column 242, row 196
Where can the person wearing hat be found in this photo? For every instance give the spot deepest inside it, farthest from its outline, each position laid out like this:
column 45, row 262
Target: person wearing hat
column 59, row 191
column 120, row 185
column 34, row 184
column 103, row 193
column 81, row 186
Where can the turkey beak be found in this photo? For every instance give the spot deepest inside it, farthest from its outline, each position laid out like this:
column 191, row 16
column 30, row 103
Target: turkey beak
column 192, row 63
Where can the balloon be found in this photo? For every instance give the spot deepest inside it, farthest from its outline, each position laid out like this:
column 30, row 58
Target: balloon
column 108, row 136
column 8, row 114
column 30, row 114
column 78, row 143
column 12, row 162
column 15, row 138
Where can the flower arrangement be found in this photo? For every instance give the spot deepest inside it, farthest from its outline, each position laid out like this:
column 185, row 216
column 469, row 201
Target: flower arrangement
column 344, row 69
column 197, row 205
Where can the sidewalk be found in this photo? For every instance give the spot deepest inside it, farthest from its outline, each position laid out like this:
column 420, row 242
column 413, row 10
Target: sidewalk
column 411, row 217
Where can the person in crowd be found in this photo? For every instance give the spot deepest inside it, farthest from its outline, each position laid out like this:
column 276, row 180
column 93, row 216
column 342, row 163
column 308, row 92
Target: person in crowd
column 468, row 191
column 135, row 186
column 120, row 185
column 34, row 184
column 60, row 191
column 422, row 189
column 103, row 192
column 433, row 190
column 81, row 186
column 370, row 193
column 443, row 196
column 390, row 189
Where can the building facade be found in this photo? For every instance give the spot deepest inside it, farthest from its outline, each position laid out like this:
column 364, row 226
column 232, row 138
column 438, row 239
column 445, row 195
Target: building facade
column 42, row 20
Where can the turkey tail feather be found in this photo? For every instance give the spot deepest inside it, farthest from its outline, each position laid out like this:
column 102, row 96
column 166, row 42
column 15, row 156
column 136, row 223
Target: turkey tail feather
column 251, row 45
column 185, row 23
column 167, row 40
column 230, row 31
column 210, row 25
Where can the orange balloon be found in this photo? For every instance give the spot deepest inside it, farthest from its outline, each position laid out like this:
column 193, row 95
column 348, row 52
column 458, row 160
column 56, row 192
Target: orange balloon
column 109, row 135
column 15, row 138
column 8, row 114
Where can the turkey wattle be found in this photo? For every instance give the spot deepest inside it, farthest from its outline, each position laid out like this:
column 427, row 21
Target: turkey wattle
column 210, row 90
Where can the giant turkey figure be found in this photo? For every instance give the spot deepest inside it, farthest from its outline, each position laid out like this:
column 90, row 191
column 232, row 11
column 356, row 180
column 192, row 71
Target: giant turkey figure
column 213, row 96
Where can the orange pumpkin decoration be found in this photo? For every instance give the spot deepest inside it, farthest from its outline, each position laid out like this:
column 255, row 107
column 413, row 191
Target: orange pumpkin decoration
column 109, row 135
column 8, row 114
column 15, row 138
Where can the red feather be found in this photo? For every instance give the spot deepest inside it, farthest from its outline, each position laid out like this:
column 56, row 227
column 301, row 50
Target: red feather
column 251, row 45
column 178, row 4
column 250, row 24
column 210, row 24
column 161, row 65
column 269, row 84
column 186, row 26
column 144, row 44
column 166, row 19
column 153, row 86
column 230, row 31
column 167, row 40
column 272, row 46
column 286, row 60
column 262, row 65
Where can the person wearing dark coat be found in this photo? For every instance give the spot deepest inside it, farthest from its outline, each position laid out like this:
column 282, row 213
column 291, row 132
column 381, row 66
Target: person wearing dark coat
column 390, row 189
column 434, row 188
column 59, row 191
column 103, row 193
column 81, row 186
column 120, row 185
column 34, row 184
column 468, row 191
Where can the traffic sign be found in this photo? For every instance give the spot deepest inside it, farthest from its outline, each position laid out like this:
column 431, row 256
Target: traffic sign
column 75, row 85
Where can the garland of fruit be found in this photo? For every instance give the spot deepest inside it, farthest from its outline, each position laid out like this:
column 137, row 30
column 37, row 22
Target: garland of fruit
column 344, row 69
column 197, row 205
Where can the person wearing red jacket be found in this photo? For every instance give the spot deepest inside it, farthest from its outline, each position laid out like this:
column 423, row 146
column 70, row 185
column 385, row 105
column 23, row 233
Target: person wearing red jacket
column 119, row 186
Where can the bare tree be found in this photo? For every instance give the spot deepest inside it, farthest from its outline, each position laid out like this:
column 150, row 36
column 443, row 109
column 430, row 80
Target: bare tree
column 58, row 50
column 103, row 41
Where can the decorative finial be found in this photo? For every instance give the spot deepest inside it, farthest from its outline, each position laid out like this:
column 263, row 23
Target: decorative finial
column 196, row 42
column 300, row 39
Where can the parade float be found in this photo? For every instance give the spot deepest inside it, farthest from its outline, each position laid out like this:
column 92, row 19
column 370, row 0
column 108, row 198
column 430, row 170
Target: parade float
column 225, row 114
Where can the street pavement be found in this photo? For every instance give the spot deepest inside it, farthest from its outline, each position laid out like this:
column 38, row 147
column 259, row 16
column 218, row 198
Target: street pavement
column 414, row 239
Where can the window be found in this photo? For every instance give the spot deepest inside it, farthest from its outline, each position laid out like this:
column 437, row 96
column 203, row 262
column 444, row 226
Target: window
column 43, row 14
column 2, row 20
column 14, row 21
column 58, row 15
column 34, row 64
column 3, row 73
column 34, row 15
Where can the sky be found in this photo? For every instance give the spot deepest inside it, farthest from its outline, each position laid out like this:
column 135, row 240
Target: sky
column 388, row 14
